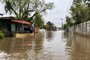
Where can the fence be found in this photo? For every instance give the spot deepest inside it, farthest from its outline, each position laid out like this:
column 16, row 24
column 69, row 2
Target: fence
column 83, row 28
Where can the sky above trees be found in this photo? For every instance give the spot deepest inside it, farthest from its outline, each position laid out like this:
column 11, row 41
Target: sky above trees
column 59, row 12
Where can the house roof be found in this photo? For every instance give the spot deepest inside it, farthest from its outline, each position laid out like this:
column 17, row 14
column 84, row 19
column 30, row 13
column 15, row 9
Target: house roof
column 22, row 21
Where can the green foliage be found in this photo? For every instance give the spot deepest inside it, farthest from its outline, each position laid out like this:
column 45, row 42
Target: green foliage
column 38, row 20
column 49, row 26
column 79, row 11
column 65, row 27
column 44, row 27
column 26, row 9
column 69, row 23
column 1, row 34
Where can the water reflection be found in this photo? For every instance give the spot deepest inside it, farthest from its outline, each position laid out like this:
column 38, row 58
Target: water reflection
column 78, row 47
column 54, row 45
column 16, row 48
column 24, row 49
column 49, row 34
column 68, row 39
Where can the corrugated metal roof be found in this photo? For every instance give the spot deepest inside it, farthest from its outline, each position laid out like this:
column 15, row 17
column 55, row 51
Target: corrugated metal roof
column 22, row 21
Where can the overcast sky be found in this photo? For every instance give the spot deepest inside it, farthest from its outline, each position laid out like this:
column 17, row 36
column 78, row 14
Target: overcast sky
column 60, row 11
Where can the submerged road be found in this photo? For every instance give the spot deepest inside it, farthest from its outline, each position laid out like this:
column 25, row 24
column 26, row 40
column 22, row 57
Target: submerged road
column 54, row 45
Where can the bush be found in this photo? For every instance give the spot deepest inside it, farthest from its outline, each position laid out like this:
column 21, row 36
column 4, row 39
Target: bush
column 1, row 35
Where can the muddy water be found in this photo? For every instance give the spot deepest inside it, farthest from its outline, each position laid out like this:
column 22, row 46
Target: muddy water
column 55, row 45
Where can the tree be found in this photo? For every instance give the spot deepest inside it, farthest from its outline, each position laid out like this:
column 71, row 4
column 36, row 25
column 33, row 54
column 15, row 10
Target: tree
column 79, row 11
column 38, row 20
column 49, row 26
column 26, row 9
column 69, row 23
column 79, row 14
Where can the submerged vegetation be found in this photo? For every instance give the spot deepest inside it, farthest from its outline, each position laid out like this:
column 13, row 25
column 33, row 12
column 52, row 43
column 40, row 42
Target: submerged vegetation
column 1, row 35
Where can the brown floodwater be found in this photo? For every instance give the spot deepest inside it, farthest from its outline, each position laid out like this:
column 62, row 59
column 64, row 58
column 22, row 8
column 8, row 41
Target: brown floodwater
column 54, row 45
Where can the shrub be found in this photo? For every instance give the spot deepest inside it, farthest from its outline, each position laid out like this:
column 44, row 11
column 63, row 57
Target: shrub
column 1, row 35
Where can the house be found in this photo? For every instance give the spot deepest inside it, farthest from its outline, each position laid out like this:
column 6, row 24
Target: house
column 20, row 26
column 9, row 26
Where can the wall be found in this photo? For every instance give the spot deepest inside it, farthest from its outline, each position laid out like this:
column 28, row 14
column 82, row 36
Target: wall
column 83, row 28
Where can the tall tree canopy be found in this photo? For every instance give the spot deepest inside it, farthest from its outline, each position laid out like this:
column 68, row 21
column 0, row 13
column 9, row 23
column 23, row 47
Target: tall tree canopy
column 79, row 11
column 38, row 20
column 26, row 9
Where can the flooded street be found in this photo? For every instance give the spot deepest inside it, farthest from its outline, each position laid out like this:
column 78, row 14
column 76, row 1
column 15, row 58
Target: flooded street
column 54, row 45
